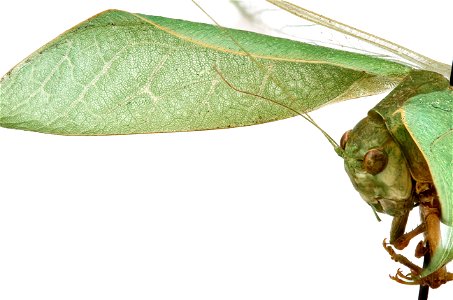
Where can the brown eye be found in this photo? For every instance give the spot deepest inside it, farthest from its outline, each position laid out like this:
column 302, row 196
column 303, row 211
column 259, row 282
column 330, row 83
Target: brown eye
column 375, row 161
column 344, row 139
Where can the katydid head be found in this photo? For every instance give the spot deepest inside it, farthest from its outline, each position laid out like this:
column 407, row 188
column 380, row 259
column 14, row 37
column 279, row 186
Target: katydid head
column 377, row 167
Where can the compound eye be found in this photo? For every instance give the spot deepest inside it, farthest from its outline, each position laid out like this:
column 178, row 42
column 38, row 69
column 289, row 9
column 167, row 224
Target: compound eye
column 344, row 139
column 375, row 161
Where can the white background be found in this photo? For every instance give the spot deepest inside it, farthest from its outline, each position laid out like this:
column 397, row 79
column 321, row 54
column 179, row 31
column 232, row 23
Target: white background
column 263, row 212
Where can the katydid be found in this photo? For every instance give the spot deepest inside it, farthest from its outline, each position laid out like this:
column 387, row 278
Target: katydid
column 224, row 78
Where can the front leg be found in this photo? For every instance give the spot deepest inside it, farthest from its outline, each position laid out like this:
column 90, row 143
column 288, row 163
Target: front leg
column 416, row 270
column 402, row 241
column 398, row 227
column 430, row 215
column 398, row 238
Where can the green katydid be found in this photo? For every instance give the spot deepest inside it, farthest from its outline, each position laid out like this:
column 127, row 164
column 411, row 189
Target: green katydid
column 227, row 80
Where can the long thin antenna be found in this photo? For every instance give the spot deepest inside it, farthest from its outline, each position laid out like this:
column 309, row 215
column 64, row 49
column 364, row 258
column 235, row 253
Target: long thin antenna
column 420, row 60
column 338, row 150
column 305, row 116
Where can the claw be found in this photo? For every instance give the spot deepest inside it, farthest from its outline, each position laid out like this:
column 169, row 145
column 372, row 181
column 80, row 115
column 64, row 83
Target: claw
column 404, row 279
column 433, row 280
column 407, row 279
column 408, row 276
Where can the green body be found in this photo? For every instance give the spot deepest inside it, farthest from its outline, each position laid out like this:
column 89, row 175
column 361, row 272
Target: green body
column 123, row 73
column 413, row 125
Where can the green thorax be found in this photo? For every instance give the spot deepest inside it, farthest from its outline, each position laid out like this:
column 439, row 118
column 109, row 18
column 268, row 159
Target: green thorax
column 391, row 109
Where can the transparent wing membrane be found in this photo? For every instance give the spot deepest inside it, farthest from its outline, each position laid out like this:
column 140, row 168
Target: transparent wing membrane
column 410, row 57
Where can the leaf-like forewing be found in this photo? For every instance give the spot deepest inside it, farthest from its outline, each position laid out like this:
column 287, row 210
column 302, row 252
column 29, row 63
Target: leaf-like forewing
column 124, row 73
column 429, row 119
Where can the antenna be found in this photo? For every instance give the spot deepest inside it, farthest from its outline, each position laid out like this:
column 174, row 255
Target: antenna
column 304, row 115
